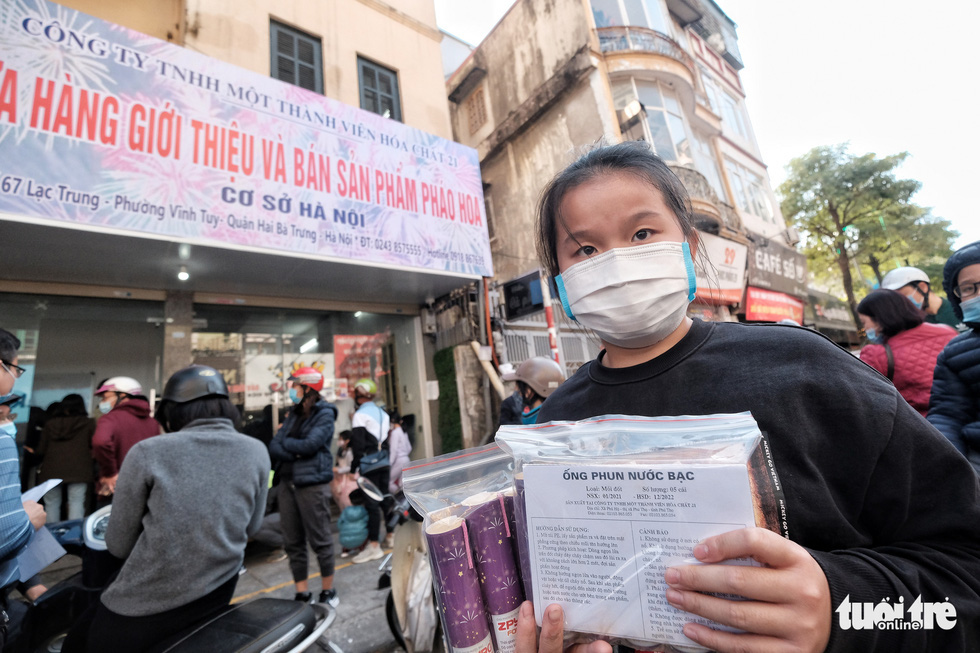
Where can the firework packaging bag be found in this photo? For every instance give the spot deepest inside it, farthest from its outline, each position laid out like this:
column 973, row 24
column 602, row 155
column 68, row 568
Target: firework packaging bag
column 611, row 502
column 467, row 501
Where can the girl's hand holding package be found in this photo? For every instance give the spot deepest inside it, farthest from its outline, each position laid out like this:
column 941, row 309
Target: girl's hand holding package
column 552, row 633
column 788, row 606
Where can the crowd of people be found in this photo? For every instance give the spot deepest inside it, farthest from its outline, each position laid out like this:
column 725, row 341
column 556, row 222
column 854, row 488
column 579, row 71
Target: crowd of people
column 879, row 468
column 191, row 462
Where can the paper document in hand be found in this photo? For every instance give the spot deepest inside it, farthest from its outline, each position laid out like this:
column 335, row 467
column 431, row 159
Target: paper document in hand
column 602, row 537
column 38, row 491
column 41, row 552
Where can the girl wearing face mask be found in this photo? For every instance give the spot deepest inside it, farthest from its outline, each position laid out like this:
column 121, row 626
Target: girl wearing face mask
column 536, row 379
column 903, row 346
column 877, row 504
column 302, row 447
column 955, row 403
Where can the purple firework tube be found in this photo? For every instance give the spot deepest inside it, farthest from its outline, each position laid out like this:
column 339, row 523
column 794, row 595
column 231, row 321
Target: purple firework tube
column 520, row 520
column 464, row 616
column 509, row 511
column 490, row 537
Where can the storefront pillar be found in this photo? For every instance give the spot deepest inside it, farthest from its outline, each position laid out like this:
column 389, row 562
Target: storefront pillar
column 179, row 317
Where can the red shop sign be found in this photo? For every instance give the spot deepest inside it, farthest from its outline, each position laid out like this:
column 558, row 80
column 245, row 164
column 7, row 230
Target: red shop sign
column 770, row 306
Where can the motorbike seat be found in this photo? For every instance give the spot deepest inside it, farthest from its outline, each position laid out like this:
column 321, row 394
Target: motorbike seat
column 259, row 625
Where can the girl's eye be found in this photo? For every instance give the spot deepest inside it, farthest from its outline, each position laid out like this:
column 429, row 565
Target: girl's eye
column 586, row 250
column 642, row 234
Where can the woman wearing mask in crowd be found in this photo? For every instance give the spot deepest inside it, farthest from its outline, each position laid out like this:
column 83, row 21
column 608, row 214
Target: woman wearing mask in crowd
column 903, row 346
column 536, row 379
column 302, row 446
column 955, row 405
column 878, row 504
column 185, row 504
column 66, row 453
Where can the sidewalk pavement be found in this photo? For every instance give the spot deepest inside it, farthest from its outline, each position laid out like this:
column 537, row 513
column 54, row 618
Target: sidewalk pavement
column 361, row 625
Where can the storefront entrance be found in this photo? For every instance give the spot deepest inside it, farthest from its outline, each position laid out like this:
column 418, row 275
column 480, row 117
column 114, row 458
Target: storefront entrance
column 70, row 344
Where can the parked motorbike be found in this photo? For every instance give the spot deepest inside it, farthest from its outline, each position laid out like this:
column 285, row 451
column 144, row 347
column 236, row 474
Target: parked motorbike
column 410, row 607
column 263, row 624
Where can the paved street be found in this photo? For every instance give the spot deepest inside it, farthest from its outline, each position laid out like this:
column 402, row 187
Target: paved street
column 360, row 627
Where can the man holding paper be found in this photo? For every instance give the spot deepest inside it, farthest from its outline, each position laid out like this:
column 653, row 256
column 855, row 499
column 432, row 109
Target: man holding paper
column 18, row 520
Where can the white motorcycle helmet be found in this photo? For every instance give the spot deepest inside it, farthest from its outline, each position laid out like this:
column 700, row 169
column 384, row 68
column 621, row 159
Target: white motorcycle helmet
column 122, row 385
column 901, row 277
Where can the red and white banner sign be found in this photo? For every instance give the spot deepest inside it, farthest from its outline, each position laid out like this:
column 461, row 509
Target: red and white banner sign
column 770, row 306
column 723, row 284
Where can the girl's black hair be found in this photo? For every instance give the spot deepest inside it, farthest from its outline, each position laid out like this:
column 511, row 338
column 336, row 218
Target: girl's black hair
column 632, row 157
column 892, row 311
column 176, row 416
column 73, row 405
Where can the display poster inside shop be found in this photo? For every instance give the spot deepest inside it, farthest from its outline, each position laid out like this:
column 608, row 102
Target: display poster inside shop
column 602, row 536
column 358, row 357
column 105, row 128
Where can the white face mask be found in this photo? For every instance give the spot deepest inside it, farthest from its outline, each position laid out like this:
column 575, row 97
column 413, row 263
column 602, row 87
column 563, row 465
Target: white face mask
column 631, row 296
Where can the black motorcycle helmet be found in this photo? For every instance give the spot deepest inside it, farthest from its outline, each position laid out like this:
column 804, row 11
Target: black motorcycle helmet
column 961, row 258
column 194, row 382
column 195, row 392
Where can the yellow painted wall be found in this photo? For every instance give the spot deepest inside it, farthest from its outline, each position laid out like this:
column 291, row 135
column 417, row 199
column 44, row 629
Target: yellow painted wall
column 400, row 35
column 160, row 18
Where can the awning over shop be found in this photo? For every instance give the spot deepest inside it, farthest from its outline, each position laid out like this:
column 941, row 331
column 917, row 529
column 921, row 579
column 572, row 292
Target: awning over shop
column 52, row 255
column 828, row 312
column 768, row 306
column 115, row 134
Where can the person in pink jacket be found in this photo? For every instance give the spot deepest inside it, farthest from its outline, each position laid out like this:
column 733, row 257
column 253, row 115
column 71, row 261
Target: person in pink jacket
column 902, row 346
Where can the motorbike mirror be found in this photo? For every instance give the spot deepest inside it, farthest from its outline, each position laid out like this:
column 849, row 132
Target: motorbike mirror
column 370, row 489
column 94, row 528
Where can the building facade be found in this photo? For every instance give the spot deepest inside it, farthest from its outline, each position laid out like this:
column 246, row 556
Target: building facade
column 252, row 185
column 554, row 78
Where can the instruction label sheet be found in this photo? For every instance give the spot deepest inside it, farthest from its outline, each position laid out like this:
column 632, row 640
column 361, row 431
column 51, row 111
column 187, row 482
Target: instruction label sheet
column 602, row 536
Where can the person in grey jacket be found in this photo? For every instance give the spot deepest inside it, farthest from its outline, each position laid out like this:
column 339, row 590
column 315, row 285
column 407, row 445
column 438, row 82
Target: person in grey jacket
column 185, row 505
column 302, row 447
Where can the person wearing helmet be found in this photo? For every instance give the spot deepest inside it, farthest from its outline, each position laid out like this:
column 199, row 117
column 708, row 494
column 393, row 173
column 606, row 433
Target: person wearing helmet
column 512, row 406
column 185, row 505
column 125, row 420
column 915, row 285
column 954, row 407
column 302, row 449
column 369, row 434
column 536, row 379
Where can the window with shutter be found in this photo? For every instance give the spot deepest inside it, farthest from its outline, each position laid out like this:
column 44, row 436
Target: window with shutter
column 296, row 57
column 379, row 89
